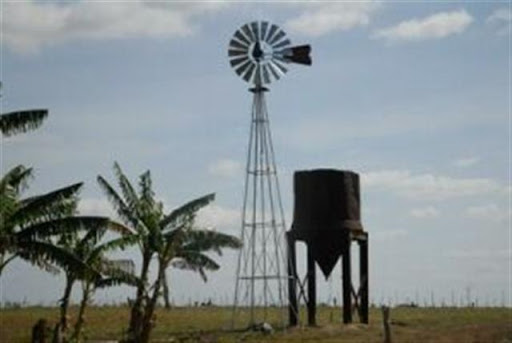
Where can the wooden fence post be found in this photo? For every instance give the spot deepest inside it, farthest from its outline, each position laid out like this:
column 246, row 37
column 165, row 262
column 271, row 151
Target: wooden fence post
column 386, row 321
column 39, row 331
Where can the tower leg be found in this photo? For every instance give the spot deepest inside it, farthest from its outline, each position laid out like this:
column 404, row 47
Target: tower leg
column 363, row 277
column 292, row 281
column 311, row 288
column 346, row 280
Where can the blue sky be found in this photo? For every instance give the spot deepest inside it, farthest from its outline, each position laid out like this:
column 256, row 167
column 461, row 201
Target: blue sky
column 414, row 96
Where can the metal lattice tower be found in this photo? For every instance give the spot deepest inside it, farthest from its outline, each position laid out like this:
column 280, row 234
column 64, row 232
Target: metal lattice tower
column 260, row 269
column 258, row 52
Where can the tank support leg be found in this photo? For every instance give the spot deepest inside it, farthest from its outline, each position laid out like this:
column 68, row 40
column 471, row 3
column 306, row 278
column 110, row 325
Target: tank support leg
column 293, row 309
column 346, row 281
column 311, row 288
column 363, row 280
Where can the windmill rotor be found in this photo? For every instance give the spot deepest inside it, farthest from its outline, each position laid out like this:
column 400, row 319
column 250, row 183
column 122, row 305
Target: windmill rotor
column 259, row 52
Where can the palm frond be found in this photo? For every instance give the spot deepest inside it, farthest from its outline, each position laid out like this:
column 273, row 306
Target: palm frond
column 129, row 193
column 129, row 280
column 173, row 241
column 125, row 265
column 114, row 274
column 47, row 266
column 189, row 209
column 16, row 177
column 90, row 239
column 209, row 240
column 117, row 243
column 55, row 204
column 34, row 251
column 8, row 206
column 120, row 228
column 61, row 226
column 196, row 262
column 122, row 209
column 146, row 191
column 174, row 235
column 21, row 121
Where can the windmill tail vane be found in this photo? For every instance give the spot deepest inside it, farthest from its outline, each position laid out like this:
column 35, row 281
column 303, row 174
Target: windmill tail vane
column 298, row 54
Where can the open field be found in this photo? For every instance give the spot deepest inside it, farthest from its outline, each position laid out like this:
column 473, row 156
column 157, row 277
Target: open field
column 206, row 324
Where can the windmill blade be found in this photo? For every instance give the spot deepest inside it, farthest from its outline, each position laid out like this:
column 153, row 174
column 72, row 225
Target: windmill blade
column 278, row 56
column 242, row 38
column 232, row 53
column 273, row 30
column 234, row 44
column 236, row 61
column 264, row 27
column 283, row 44
column 277, row 37
column 247, row 31
column 255, row 30
column 248, row 74
column 276, row 71
column 240, row 70
column 279, row 66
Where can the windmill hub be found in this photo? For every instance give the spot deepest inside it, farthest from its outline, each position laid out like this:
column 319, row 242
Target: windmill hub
column 257, row 53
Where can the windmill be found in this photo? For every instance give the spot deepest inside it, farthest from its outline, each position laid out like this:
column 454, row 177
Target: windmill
column 259, row 52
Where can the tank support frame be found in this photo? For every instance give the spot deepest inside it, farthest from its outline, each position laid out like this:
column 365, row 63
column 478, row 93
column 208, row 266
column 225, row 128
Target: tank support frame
column 353, row 300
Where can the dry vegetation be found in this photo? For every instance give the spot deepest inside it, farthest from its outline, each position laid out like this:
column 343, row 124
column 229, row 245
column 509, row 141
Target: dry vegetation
column 208, row 324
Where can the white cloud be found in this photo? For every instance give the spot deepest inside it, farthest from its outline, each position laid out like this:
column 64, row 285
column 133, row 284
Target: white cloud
column 502, row 19
column 29, row 26
column 428, row 186
column 323, row 17
column 225, row 168
column 426, row 212
column 466, row 162
column 389, row 234
column 220, row 218
column 439, row 25
column 95, row 207
column 489, row 212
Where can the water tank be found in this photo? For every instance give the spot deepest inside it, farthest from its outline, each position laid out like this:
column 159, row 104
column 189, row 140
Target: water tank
column 326, row 200
column 327, row 203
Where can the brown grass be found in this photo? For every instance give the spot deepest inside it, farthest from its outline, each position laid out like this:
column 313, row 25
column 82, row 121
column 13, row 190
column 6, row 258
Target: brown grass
column 206, row 324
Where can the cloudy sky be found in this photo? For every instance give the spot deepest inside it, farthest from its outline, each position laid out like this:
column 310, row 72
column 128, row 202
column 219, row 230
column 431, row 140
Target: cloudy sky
column 414, row 96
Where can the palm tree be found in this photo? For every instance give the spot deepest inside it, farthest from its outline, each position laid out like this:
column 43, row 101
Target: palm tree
column 172, row 238
column 110, row 272
column 27, row 225
column 88, row 249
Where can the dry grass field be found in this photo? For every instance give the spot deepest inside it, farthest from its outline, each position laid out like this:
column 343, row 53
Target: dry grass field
column 208, row 324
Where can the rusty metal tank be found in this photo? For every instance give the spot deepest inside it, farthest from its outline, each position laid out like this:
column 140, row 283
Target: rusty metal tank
column 327, row 204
